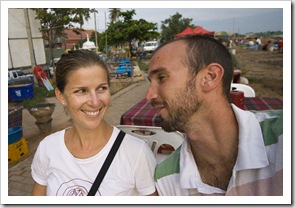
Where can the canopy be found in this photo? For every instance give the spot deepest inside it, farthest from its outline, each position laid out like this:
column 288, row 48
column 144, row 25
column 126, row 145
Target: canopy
column 186, row 31
column 201, row 31
column 197, row 31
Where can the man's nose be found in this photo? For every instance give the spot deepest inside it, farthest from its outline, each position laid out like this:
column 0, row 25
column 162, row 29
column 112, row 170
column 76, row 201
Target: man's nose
column 151, row 92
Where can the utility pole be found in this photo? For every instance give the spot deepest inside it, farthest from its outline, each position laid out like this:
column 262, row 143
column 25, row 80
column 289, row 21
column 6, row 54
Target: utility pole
column 234, row 28
column 105, row 18
column 29, row 33
column 95, row 32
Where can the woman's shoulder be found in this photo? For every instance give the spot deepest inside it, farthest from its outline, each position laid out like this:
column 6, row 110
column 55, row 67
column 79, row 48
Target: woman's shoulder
column 53, row 138
column 130, row 138
column 132, row 142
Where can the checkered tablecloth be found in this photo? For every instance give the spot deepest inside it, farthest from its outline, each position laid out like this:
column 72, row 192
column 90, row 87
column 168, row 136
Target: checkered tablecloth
column 143, row 113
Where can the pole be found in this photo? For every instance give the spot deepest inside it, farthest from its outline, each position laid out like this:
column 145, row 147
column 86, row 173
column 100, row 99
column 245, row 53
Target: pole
column 95, row 32
column 105, row 19
column 31, row 48
column 234, row 29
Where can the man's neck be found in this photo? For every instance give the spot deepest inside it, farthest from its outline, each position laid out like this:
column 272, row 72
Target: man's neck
column 214, row 145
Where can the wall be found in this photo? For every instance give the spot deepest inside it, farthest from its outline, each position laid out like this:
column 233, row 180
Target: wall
column 19, row 54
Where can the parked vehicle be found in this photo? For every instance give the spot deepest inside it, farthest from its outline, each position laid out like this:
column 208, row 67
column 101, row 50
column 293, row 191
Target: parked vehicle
column 52, row 66
column 102, row 56
column 19, row 77
column 150, row 46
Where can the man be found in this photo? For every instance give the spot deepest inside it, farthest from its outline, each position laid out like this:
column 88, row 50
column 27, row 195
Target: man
column 227, row 151
column 258, row 42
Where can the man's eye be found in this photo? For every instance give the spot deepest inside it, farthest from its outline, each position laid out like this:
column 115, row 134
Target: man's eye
column 80, row 91
column 162, row 78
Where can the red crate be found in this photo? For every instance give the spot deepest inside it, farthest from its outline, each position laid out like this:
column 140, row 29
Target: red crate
column 15, row 116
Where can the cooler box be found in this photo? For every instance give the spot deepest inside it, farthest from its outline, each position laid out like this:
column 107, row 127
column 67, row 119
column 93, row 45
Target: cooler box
column 20, row 92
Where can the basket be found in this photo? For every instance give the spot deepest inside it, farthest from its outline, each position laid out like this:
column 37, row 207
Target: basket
column 15, row 134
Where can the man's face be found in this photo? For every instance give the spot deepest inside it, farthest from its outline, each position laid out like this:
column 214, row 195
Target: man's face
column 172, row 89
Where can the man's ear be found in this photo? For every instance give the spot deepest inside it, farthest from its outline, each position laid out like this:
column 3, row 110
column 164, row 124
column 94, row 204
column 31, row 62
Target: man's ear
column 213, row 74
column 59, row 96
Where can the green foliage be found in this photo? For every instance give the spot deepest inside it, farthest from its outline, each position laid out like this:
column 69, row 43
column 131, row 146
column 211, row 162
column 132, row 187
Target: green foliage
column 125, row 29
column 175, row 24
column 40, row 95
column 114, row 14
column 143, row 66
column 56, row 20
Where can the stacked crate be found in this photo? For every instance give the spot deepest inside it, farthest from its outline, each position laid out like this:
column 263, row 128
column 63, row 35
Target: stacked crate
column 17, row 144
column 17, row 150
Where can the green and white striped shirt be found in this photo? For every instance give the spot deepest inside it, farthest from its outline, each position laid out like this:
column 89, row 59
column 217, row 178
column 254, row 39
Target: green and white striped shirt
column 259, row 166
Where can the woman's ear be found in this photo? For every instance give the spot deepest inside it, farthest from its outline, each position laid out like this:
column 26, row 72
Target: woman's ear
column 213, row 74
column 59, row 96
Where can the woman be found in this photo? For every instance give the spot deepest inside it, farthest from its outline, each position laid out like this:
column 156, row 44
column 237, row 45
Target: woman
column 67, row 162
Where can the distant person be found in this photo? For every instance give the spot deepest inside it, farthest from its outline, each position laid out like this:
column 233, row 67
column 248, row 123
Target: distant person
column 251, row 43
column 226, row 151
column 280, row 45
column 266, row 45
column 258, row 42
column 67, row 162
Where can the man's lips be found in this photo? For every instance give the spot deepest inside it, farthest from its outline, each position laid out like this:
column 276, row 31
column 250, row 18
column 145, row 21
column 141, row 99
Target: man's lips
column 157, row 104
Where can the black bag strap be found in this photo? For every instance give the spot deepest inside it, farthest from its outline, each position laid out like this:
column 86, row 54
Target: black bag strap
column 106, row 164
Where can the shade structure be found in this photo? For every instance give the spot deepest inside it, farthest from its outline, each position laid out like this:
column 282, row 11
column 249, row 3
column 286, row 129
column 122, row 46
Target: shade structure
column 186, row 31
column 197, row 31
column 222, row 34
column 201, row 31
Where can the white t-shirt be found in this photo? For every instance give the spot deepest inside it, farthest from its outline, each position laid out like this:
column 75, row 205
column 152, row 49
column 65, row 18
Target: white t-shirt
column 131, row 172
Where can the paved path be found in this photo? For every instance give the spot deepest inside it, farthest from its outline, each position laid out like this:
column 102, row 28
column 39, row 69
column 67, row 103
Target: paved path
column 20, row 182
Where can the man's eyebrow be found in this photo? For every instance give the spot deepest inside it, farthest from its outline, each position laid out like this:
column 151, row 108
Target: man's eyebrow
column 156, row 71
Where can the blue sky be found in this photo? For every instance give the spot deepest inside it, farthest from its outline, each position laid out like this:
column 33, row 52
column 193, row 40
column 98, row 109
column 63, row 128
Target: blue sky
column 242, row 20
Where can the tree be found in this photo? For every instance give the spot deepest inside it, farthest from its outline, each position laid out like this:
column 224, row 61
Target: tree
column 55, row 20
column 125, row 29
column 114, row 14
column 175, row 24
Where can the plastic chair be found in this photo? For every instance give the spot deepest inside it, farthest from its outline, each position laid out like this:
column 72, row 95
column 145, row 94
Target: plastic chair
column 156, row 138
column 248, row 91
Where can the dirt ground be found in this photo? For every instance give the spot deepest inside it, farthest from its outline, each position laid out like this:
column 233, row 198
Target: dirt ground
column 264, row 70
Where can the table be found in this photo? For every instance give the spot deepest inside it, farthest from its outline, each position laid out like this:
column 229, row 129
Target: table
column 143, row 113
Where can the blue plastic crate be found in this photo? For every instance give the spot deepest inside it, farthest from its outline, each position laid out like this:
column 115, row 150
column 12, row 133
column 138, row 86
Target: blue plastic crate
column 20, row 92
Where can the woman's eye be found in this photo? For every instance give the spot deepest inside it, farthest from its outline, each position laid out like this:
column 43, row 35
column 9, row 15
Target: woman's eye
column 103, row 88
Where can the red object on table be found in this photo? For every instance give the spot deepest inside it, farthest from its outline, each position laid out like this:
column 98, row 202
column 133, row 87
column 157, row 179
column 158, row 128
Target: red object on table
column 143, row 113
column 237, row 97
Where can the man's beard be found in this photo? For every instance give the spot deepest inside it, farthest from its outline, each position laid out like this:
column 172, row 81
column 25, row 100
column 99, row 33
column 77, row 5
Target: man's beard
column 181, row 108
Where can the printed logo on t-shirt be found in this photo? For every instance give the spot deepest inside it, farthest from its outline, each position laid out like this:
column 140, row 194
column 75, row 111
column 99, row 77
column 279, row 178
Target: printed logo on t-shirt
column 75, row 187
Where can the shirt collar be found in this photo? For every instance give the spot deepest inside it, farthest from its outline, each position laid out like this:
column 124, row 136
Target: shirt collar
column 252, row 153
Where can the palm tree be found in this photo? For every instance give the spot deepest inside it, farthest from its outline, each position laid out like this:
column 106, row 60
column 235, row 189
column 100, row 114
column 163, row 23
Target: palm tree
column 114, row 14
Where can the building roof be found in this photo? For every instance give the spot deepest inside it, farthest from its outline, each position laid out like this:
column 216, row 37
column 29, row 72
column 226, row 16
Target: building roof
column 71, row 35
column 73, row 38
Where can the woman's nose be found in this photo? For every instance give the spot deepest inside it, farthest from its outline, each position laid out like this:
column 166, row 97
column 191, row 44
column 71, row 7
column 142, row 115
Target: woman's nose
column 93, row 99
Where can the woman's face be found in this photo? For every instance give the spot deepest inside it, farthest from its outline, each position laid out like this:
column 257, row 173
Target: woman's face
column 86, row 96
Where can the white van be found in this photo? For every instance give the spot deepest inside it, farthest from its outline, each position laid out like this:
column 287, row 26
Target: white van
column 150, row 46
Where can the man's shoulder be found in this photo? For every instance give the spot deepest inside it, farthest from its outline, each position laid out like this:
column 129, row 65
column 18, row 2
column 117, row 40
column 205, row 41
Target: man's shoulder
column 169, row 166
